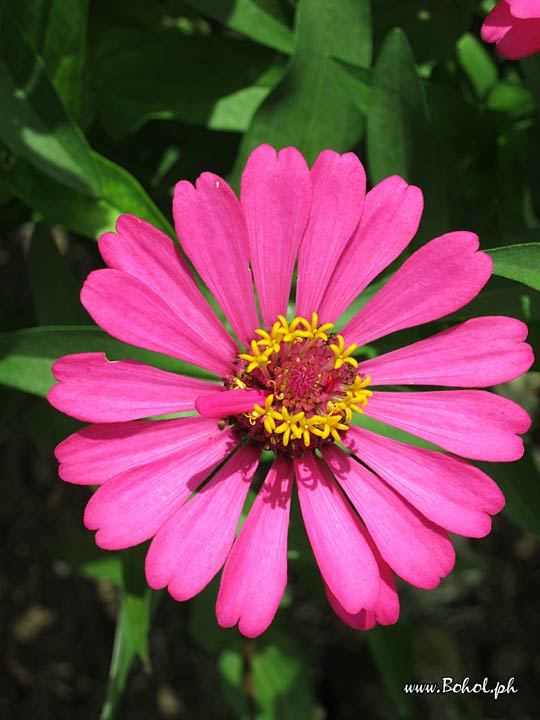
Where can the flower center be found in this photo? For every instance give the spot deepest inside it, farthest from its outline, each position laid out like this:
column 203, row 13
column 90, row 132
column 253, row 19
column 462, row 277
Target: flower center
column 312, row 381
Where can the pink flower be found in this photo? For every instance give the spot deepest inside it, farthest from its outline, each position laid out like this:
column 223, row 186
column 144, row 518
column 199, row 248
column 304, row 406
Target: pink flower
column 372, row 506
column 515, row 26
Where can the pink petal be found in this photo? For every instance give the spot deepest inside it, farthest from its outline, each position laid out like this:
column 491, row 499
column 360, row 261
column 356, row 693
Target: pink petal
column 363, row 620
column 98, row 452
column 477, row 353
column 93, row 389
column 385, row 612
column 212, row 230
column 415, row 548
column 391, row 216
column 515, row 27
column 127, row 309
column 497, row 23
column 255, row 574
column 229, row 402
column 524, row 9
column 472, row 423
column 522, row 40
column 131, row 507
column 339, row 187
column 448, row 491
column 145, row 253
column 192, row 545
column 436, row 280
column 276, row 197
column 337, row 537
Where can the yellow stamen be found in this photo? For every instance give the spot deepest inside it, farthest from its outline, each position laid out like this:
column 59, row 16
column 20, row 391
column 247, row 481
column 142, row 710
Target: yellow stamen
column 289, row 425
column 348, row 393
column 258, row 359
column 342, row 354
column 266, row 412
column 312, row 329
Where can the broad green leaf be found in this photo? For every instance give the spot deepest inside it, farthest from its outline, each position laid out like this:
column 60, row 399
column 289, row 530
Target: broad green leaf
column 261, row 20
column 392, row 652
column 26, row 356
column 33, row 122
column 512, row 99
column 74, row 210
column 477, row 64
column 235, row 112
column 56, row 29
column 282, row 684
column 314, row 106
column 398, row 121
column 222, row 82
column 132, row 626
column 55, row 292
column 399, row 132
column 520, row 483
column 518, row 262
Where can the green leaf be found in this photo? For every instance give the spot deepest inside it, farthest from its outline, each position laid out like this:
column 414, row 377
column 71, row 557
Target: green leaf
column 33, row 121
column 138, row 78
column 520, row 483
column 75, row 211
column 137, row 595
column 398, row 121
column 26, row 356
column 399, row 134
column 392, row 652
column 279, row 668
column 518, row 262
column 314, row 107
column 477, row 64
column 55, row 291
column 510, row 98
column 132, row 626
column 261, row 20
column 56, row 29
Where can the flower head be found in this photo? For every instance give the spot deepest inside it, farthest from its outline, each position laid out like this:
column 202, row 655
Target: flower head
column 515, row 26
column 292, row 384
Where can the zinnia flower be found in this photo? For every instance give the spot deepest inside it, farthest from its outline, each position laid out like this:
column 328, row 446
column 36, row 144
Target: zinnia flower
column 515, row 26
column 290, row 384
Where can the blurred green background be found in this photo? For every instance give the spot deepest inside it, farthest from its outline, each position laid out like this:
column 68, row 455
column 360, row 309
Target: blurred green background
column 104, row 105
